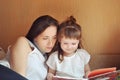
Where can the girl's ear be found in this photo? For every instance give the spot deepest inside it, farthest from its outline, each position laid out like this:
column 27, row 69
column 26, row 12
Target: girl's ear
column 59, row 40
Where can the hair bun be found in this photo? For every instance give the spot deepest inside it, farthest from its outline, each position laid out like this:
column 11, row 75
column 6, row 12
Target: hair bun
column 71, row 20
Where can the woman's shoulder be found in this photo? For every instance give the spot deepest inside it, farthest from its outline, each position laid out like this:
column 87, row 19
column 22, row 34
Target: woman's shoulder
column 20, row 45
column 22, row 39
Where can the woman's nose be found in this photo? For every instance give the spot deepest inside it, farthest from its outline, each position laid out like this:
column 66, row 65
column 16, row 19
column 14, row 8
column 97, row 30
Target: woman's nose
column 50, row 42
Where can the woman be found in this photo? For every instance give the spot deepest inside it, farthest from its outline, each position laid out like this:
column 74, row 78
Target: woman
column 26, row 55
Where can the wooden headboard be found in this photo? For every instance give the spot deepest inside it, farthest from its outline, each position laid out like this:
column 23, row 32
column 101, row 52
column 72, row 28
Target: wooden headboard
column 104, row 61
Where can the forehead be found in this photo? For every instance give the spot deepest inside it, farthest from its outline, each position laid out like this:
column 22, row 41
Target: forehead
column 69, row 39
column 50, row 31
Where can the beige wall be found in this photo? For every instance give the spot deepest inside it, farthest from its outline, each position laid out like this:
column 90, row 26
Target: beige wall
column 100, row 20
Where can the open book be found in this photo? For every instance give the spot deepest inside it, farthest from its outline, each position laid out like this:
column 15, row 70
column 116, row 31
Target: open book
column 105, row 74
column 67, row 78
column 101, row 71
column 98, row 74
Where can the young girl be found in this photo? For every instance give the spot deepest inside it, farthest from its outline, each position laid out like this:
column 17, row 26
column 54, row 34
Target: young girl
column 70, row 60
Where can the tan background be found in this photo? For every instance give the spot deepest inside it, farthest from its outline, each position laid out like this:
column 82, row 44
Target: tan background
column 100, row 21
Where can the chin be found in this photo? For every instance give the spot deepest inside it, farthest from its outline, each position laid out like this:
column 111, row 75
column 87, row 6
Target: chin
column 48, row 51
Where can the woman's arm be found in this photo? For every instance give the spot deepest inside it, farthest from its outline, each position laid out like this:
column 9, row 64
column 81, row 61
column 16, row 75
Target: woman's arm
column 87, row 70
column 19, row 54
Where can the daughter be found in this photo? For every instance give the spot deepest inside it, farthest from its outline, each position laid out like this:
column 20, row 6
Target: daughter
column 70, row 60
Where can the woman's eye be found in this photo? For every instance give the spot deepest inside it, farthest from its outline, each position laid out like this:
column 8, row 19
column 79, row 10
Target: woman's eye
column 45, row 38
column 55, row 37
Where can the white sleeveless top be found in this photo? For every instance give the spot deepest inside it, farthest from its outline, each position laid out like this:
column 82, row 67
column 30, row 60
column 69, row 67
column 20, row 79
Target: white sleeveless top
column 36, row 67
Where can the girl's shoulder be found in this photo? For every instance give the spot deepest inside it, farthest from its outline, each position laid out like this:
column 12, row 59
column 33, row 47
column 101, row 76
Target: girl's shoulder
column 84, row 55
column 53, row 57
column 54, row 54
column 83, row 52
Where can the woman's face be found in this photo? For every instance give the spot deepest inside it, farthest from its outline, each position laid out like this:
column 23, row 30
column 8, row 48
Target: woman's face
column 46, row 40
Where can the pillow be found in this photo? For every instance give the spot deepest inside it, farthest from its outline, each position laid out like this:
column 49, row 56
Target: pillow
column 101, row 71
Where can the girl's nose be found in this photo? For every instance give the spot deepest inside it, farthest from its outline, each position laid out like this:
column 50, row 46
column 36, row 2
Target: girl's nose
column 69, row 46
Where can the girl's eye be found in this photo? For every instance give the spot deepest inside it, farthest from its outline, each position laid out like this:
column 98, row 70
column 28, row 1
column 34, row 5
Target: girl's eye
column 73, row 43
column 65, row 43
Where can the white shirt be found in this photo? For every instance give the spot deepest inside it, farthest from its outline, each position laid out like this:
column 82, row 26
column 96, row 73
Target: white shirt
column 4, row 62
column 72, row 66
column 36, row 67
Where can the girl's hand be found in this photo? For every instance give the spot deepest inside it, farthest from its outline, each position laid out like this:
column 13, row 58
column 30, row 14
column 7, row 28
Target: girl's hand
column 87, row 74
column 50, row 76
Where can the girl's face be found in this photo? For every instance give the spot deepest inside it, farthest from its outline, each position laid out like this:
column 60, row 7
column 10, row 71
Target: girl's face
column 46, row 40
column 68, row 45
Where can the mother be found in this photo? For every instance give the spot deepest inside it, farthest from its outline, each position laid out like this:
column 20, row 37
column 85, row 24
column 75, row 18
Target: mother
column 27, row 53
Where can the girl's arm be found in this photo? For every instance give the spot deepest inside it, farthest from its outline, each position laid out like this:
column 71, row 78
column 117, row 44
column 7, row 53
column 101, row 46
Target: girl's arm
column 50, row 74
column 87, row 70
column 19, row 54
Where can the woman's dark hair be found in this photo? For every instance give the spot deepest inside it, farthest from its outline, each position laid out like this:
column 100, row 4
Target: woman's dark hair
column 68, row 29
column 40, row 25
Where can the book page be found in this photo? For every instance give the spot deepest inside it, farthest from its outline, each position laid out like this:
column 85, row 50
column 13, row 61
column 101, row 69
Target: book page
column 67, row 78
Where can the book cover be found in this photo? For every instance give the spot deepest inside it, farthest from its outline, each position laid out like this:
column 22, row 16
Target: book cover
column 114, row 75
